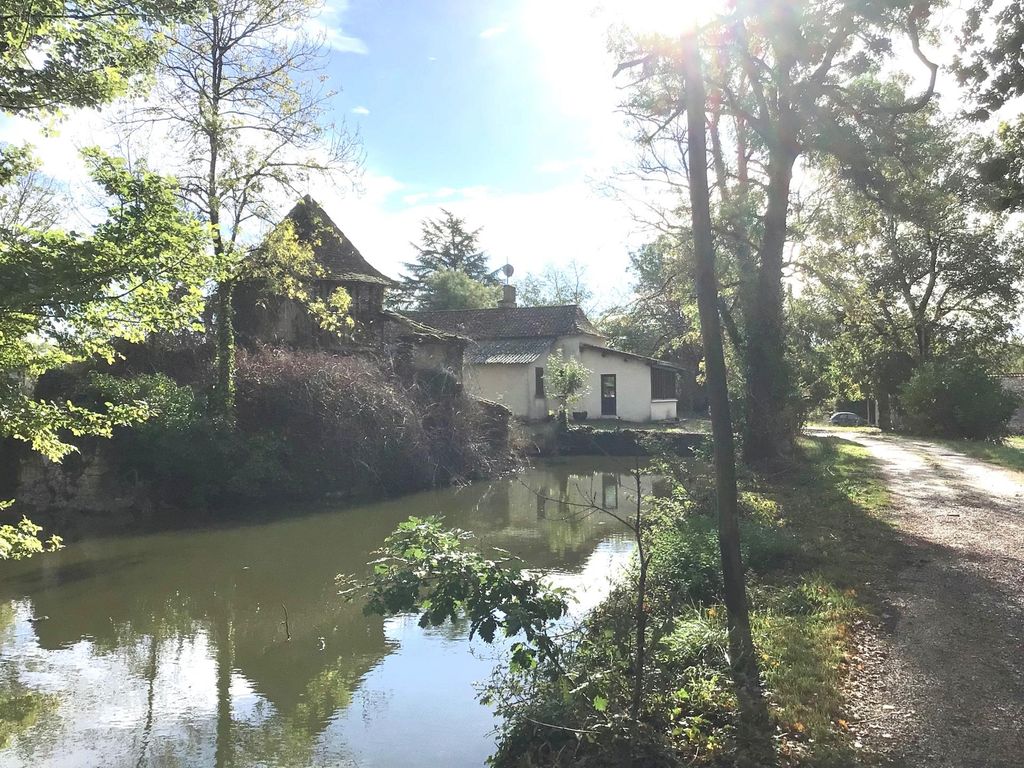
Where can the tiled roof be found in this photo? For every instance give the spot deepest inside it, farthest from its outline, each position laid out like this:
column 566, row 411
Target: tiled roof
column 507, row 351
column 509, row 322
column 332, row 248
column 416, row 329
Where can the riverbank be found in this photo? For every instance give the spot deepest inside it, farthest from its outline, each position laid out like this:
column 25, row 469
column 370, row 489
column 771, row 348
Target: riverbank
column 308, row 425
column 820, row 549
column 232, row 641
column 609, row 437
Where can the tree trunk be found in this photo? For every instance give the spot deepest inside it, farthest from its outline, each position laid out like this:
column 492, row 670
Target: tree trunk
column 225, row 661
column 225, row 330
column 754, row 723
column 769, row 427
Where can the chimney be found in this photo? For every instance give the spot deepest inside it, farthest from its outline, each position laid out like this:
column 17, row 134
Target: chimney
column 508, row 296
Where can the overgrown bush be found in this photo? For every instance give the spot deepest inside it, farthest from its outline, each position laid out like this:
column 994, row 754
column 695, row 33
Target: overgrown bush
column 309, row 423
column 956, row 399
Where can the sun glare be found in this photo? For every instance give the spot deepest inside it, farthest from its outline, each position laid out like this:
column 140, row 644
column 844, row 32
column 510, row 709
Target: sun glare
column 667, row 17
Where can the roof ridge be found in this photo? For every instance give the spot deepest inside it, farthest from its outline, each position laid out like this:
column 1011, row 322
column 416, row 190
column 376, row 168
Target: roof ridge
column 341, row 258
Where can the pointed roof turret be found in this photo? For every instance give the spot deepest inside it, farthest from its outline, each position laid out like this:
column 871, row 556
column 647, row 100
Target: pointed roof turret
column 331, row 247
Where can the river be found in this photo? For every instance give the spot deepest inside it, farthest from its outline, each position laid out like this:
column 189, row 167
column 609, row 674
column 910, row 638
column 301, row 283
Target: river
column 230, row 647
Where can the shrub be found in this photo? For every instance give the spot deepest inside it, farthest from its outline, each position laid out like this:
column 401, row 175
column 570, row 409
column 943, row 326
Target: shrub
column 309, row 423
column 956, row 399
column 352, row 423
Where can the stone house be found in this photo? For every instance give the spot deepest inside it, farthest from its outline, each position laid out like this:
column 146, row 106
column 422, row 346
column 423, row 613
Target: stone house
column 509, row 350
column 264, row 318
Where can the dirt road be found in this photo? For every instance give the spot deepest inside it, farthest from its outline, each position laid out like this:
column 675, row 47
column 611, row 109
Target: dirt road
column 943, row 681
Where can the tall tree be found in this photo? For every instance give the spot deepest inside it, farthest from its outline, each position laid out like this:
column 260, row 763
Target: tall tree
column 661, row 320
column 446, row 245
column 917, row 261
column 554, row 285
column 241, row 101
column 784, row 83
column 66, row 297
column 743, row 663
column 56, row 55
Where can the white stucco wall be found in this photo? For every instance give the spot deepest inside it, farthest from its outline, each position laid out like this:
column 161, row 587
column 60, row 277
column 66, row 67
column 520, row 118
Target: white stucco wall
column 511, row 385
column 632, row 384
column 514, row 385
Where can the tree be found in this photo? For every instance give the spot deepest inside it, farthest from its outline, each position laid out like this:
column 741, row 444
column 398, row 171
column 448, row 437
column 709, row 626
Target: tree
column 67, row 297
column 661, row 320
column 917, row 265
column 780, row 84
column 566, row 380
column 445, row 245
column 990, row 62
column 451, row 289
column 240, row 101
column 754, row 723
column 554, row 286
column 63, row 296
column 56, row 55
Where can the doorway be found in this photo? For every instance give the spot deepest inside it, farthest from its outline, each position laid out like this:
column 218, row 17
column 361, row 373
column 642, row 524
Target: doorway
column 608, row 394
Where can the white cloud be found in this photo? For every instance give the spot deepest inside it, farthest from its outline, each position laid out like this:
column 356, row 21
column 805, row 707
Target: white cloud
column 490, row 32
column 360, row 110
column 327, row 25
column 557, row 166
column 528, row 230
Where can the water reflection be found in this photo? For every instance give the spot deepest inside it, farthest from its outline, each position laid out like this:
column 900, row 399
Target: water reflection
column 229, row 647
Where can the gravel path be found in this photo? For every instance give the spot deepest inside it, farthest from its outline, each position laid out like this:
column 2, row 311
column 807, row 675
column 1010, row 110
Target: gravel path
column 941, row 683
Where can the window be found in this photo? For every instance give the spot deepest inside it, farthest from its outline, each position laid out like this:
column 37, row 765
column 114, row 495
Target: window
column 663, row 384
column 538, row 374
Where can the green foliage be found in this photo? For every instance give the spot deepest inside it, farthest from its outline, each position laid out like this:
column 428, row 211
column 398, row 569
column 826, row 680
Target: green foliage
column 67, row 297
column 662, row 322
column 989, row 61
column 910, row 267
column 426, row 568
column 241, row 97
column 956, row 398
column 452, row 289
column 566, row 379
column 554, row 286
column 58, row 55
column 1001, row 165
column 809, row 538
column 286, row 265
column 447, row 246
column 22, row 540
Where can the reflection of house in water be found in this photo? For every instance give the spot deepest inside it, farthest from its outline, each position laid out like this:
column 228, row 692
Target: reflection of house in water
column 136, row 601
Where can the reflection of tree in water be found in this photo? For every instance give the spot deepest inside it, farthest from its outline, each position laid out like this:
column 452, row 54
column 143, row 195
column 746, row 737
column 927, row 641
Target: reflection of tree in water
column 145, row 604
column 21, row 707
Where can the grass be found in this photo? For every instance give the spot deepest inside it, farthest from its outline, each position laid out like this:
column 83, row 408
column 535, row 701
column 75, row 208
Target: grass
column 819, row 549
column 1009, row 453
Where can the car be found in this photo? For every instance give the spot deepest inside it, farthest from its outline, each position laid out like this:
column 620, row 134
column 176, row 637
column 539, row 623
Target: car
column 846, row 419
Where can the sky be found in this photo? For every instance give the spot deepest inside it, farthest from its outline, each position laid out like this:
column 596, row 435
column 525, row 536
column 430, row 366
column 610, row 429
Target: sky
column 502, row 111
